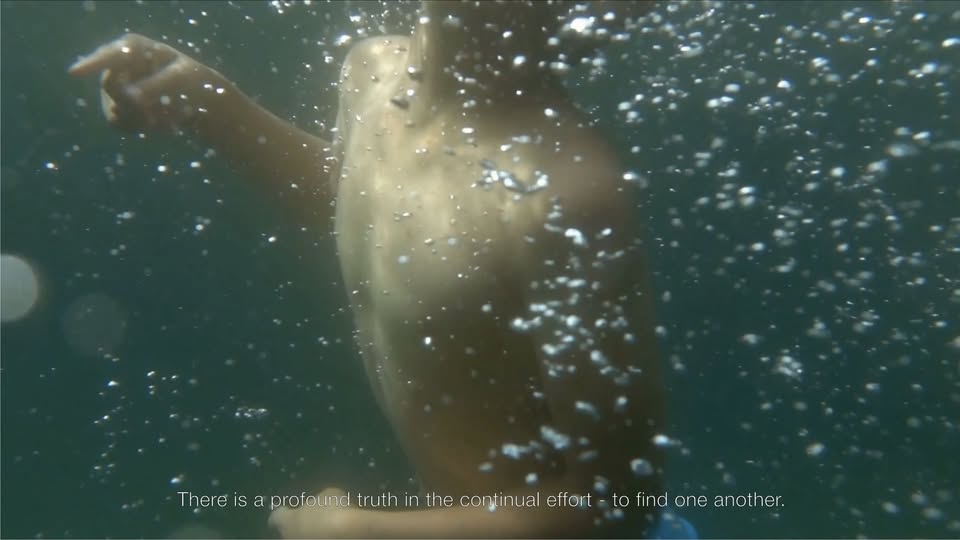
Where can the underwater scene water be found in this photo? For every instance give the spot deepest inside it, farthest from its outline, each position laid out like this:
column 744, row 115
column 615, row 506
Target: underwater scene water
column 167, row 329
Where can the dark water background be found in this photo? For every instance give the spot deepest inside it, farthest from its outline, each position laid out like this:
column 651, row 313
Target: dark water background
column 232, row 367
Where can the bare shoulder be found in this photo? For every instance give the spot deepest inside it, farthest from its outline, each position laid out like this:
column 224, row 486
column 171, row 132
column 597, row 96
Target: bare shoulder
column 378, row 56
column 369, row 74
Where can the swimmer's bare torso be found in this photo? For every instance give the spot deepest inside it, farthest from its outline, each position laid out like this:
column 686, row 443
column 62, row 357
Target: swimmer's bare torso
column 492, row 264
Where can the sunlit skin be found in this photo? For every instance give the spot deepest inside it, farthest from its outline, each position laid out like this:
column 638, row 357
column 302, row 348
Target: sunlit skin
column 486, row 314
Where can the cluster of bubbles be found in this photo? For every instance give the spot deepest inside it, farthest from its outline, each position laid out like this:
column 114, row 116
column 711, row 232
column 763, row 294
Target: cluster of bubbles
column 804, row 163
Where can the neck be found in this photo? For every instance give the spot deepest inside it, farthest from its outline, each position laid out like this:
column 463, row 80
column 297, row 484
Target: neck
column 476, row 55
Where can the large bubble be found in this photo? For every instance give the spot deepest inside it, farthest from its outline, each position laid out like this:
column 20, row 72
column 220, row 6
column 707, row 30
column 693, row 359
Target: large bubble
column 20, row 288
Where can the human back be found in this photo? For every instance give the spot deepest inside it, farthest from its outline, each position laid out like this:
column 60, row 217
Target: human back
column 436, row 217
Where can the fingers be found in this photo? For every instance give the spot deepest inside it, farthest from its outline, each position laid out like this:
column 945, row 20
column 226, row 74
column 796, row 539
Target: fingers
column 144, row 104
column 148, row 85
column 282, row 520
column 166, row 86
column 118, row 107
column 131, row 52
column 275, row 518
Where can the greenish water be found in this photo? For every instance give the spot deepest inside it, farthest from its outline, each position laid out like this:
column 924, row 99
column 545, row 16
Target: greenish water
column 804, row 237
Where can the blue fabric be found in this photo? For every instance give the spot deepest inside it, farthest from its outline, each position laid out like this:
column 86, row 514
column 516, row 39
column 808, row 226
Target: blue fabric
column 672, row 526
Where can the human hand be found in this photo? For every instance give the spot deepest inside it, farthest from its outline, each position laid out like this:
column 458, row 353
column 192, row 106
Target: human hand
column 311, row 521
column 148, row 85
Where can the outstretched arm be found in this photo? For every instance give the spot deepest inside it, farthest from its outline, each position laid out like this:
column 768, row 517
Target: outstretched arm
column 147, row 85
